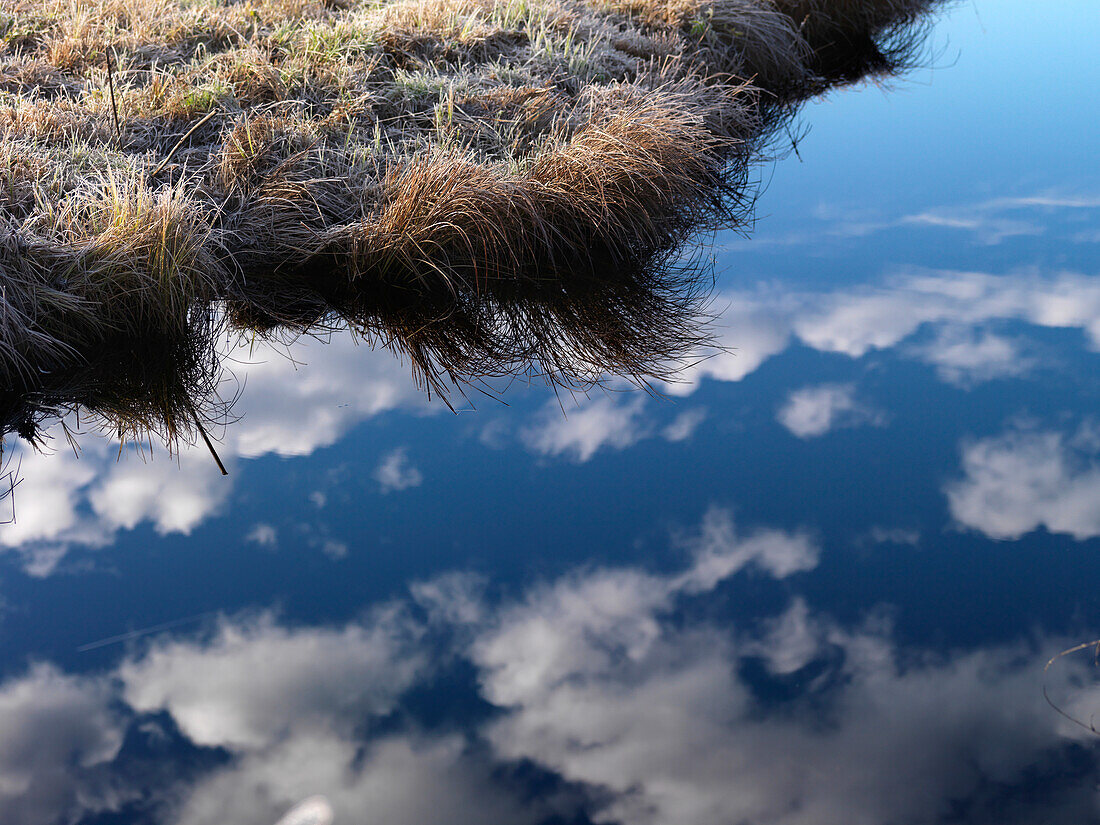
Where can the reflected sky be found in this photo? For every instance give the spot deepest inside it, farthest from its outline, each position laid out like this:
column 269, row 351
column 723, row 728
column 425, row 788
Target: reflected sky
column 815, row 581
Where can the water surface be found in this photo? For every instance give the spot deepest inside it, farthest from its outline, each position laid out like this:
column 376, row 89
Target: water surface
column 816, row 582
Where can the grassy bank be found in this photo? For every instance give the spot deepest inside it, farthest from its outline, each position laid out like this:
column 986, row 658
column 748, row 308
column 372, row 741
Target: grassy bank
column 486, row 186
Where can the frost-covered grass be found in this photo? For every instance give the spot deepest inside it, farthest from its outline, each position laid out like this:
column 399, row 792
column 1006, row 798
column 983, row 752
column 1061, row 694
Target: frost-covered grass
column 486, row 186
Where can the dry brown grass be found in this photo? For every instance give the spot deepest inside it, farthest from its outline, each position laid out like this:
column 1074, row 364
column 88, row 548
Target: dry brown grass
column 485, row 186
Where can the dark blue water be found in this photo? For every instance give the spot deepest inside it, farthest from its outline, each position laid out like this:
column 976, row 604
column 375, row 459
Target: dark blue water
column 815, row 583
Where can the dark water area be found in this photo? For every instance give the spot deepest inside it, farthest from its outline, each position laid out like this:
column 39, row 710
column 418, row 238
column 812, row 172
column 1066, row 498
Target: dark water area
column 815, row 582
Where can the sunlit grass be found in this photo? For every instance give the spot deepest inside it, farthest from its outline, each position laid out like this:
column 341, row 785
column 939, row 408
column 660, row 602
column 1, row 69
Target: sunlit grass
column 485, row 186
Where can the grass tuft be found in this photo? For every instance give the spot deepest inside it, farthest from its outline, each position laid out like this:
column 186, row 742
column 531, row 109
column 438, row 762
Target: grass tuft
column 486, row 186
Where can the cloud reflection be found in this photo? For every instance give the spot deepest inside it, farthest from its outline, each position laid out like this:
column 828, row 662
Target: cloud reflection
column 313, row 811
column 814, row 411
column 989, row 222
column 65, row 499
column 396, row 472
column 56, row 730
column 631, row 708
column 949, row 320
column 312, row 679
column 289, row 407
column 579, row 433
column 1024, row 479
column 966, row 356
column 957, row 308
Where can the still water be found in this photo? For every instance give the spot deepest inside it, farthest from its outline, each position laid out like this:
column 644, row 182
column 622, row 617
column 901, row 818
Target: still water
column 815, row 582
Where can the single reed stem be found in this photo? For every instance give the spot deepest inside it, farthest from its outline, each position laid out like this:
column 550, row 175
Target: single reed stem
column 206, row 438
column 111, row 87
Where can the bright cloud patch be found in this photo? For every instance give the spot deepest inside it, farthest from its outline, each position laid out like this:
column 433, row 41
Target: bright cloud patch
column 602, row 423
column 876, row 318
column 720, row 551
column 56, row 731
column 399, row 779
column 264, row 535
column 288, row 407
column 966, row 356
column 313, row 811
column 603, row 687
column 599, row 678
column 958, row 307
column 64, row 499
column 684, row 425
column 396, row 472
column 814, row 411
column 310, row 678
column 750, row 330
column 1025, row 479
column 293, row 407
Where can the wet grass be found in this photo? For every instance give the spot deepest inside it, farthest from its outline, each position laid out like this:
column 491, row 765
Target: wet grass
column 486, row 187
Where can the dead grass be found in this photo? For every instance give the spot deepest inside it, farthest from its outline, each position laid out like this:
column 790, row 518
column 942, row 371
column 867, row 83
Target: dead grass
column 485, row 186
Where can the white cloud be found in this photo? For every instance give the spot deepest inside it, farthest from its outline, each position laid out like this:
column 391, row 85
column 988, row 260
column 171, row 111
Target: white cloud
column 294, row 407
column 597, row 424
column 719, row 551
column 335, row 550
column 988, row 228
column 652, row 712
column 293, row 706
column 55, row 729
column 966, row 356
column 395, row 472
column 814, row 411
column 791, row 641
column 857, row 322
column 41, row 559
column 454, row 599
column 495, row 434
column 1047, row 201
column 597, row 677
column 313, row 811
column 612, row 614
column 48, row 497
column 175, row 495
column 1025, row 479
column 311, row 678
column 684, row 425
column 870, row 318
column 994, row 220
column 287, row 407
column 749, row 330
column 958, row 306
column 263, row 534
column 66, row 500
column 398, row 779
column 990, row 222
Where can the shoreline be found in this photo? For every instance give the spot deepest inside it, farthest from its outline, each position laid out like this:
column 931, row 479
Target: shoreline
column 485, row 188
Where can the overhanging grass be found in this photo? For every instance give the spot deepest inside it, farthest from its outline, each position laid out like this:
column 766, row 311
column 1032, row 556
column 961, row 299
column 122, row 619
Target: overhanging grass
column 485, row 186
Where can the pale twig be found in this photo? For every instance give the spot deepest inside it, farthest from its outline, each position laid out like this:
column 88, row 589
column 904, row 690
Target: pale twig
column 181, row 141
